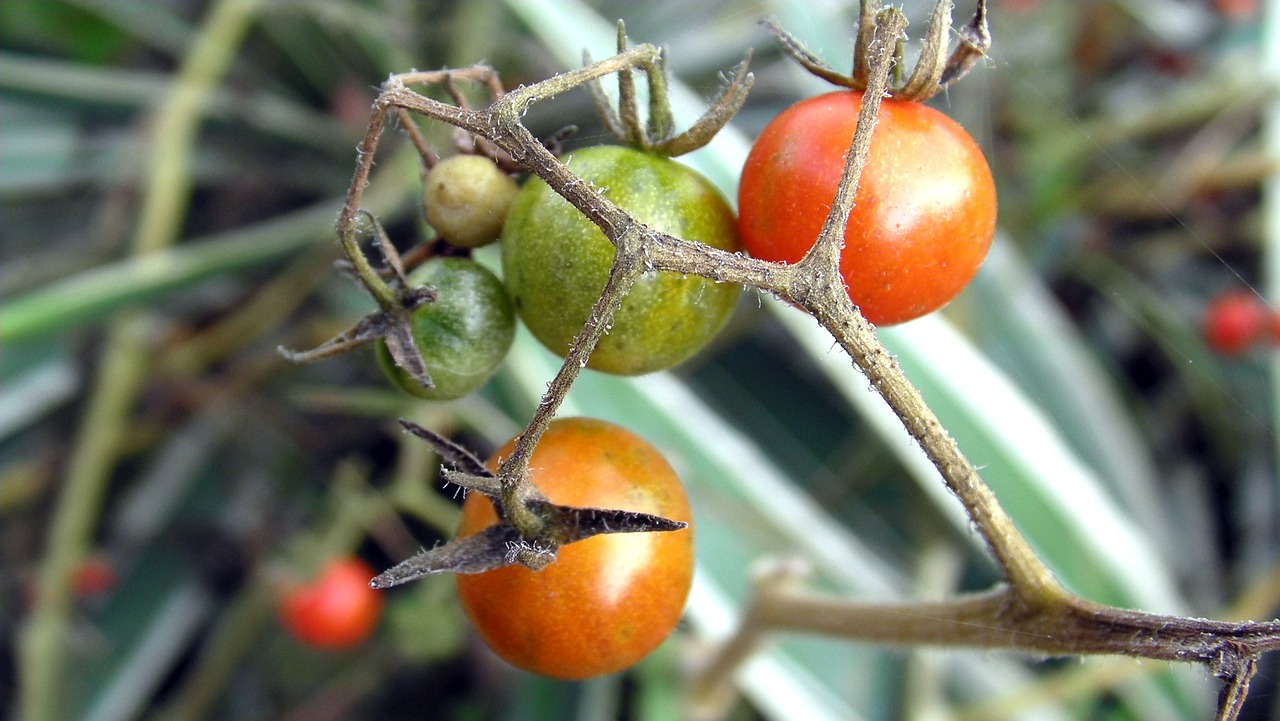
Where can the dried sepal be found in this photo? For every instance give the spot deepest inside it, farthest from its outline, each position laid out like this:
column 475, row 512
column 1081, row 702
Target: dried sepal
column 934, row 71
column 554, row 143
column 369, row 328
column 571, row 523
column 450, row 452
column 390, row 256
column 722, row 110
column 796, row 50
column 404, row 351
column 502, row 545
column 658, row 134
column 604, row 107
column 484, row 551
column 485, row 483
column 628, row 107
column 392, row 324
column 975, row 40
column 662, row 122
column 926, row 75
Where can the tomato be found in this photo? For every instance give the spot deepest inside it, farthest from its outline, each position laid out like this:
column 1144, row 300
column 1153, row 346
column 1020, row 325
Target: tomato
column 556, row 262
column 463, row 335
column 336, row 611
column 1233, row 322
column 466, row 198
column 923, row 217
column 607, row 601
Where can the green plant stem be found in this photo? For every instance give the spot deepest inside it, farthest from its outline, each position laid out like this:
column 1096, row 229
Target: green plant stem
column 237, row 632
column 86, row 296
column 46, row 632
column 168, row 183
column 353, row 508
column 125, row 364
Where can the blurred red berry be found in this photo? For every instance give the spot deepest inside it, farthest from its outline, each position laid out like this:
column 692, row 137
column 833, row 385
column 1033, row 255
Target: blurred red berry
column 94, row 577
column 1234, row 321
column 336, row 611
column 1236, row 9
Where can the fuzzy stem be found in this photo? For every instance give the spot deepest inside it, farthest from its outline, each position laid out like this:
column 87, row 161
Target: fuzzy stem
column 998, row 620
column 514, row 469
column 382, row 293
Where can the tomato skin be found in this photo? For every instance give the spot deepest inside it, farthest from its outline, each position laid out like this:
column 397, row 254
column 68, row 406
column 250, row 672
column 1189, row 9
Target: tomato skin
column 607, row 601
column 337, row 610
column 463, row 335
column 923, row 217
column 555, row 261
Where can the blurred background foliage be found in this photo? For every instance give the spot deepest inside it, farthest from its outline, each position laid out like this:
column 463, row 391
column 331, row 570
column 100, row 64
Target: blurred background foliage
column 169, row 176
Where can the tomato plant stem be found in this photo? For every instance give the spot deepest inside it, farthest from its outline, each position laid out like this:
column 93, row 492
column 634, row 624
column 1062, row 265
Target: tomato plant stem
column 378, row 288
column 514, row 468
column 819, row 289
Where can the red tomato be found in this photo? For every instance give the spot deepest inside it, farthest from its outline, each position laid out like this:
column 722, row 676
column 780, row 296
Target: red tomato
column 1233, row 322
column 923, row 217
column 336, row 611
column 607, row 601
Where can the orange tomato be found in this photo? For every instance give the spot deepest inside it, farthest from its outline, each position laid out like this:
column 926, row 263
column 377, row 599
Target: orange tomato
column 607, row 601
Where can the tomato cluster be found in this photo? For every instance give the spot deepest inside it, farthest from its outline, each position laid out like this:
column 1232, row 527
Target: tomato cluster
column 555, row 264
column 923, row 219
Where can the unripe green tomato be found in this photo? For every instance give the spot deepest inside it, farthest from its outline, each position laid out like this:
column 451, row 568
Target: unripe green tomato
column 467, row 198
column 556, row 262
column 463, row 335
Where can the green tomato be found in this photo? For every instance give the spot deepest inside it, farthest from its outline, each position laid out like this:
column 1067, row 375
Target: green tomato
column 556, row 262
column 463, row 335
